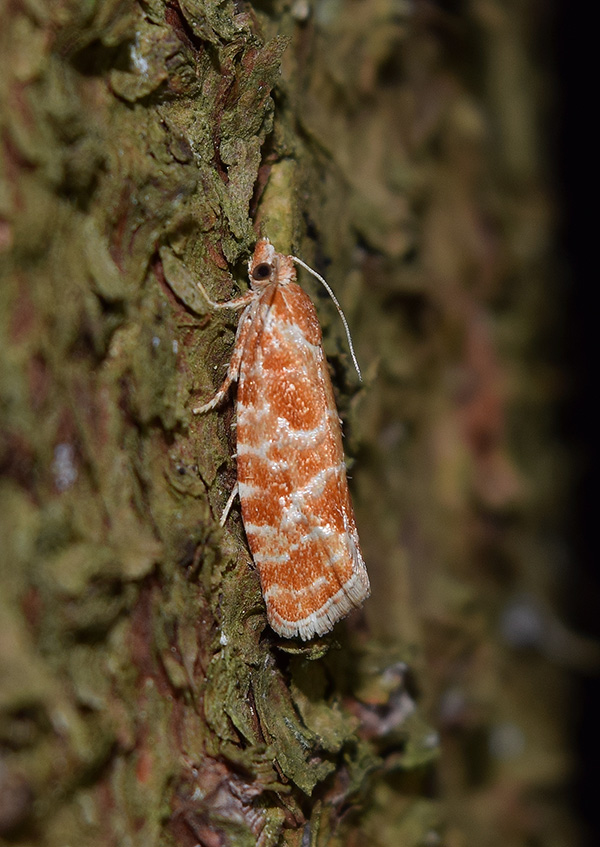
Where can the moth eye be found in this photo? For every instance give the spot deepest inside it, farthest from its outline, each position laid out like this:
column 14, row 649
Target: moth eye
column 261, row 271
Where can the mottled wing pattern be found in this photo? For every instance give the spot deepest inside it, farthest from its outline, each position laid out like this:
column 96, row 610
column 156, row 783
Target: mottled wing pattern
column 294, row 494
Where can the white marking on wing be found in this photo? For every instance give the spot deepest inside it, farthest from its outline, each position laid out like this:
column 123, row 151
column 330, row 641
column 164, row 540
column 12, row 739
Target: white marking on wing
column 245, row 489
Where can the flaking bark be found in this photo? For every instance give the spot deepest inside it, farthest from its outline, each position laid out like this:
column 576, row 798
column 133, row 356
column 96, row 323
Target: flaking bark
column 143, row 700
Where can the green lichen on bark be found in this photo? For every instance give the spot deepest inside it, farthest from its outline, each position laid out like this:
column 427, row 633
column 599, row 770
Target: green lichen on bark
column 137, row 677
column 143, row 699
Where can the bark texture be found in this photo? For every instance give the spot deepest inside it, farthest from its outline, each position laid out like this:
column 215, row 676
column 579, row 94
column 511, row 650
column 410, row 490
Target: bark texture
column 394, row 146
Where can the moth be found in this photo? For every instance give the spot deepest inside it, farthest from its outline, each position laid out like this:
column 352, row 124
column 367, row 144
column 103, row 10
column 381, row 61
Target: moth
column 291, row 474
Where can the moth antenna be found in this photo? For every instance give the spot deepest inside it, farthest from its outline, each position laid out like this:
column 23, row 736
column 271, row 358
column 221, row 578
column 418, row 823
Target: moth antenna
column 329, row 290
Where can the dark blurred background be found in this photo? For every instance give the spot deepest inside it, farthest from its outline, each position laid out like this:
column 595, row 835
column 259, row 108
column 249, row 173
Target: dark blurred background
column 576, row 140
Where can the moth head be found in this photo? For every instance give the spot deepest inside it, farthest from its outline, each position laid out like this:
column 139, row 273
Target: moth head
column 266, row 266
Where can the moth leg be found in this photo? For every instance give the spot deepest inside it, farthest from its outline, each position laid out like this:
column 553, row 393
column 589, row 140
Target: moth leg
column 233, row 370
column 229, row 504
column 219, row 396
column 236, row 303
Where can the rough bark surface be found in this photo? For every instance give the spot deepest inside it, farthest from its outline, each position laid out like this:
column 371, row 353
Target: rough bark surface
column 394, row 146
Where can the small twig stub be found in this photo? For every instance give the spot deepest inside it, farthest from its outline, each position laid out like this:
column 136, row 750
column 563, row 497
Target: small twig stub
column 291, row 473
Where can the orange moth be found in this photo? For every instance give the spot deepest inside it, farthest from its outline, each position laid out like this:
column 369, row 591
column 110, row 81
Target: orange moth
column 291, row 473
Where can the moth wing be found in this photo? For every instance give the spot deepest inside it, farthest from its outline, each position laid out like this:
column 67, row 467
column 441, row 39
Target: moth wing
column 293, row 489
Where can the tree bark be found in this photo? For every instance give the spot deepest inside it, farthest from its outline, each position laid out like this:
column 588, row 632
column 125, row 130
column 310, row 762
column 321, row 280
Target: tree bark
column 394, row 147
